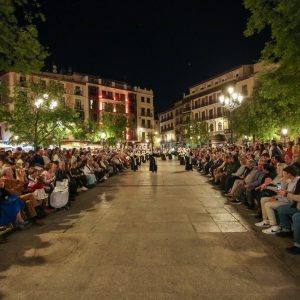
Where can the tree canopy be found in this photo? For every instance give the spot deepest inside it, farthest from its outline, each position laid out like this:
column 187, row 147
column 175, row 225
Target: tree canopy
column 276, row 98
column 197, row 132
column 40, row 115
column 20, row 49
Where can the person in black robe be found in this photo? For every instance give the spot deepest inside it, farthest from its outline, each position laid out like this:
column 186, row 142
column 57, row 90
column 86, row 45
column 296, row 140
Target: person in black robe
column 188, row 161
column 153, row 164
column 134, row 163
column 182, row 159
column 170, row 155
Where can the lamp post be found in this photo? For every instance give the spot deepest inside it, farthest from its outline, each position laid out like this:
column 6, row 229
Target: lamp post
column 42, row 103
column 231, row 100
column 284, row 132
column 103, row 136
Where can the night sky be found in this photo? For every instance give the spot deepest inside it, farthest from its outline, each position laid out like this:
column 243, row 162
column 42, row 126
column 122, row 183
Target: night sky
column 154, row 44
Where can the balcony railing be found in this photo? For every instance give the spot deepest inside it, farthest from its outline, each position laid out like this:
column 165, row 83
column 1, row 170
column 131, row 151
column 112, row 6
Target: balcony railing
column 167, row 119
column 186, row 109
column 143, row 114
column 78, row 107
column 78, row 93
column 167, row 129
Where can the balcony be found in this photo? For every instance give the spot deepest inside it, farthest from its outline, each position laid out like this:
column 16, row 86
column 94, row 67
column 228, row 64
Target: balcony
column 167, row 129
column 167, row 119
column 186, row 109
column 78, row 107
column 78, row 93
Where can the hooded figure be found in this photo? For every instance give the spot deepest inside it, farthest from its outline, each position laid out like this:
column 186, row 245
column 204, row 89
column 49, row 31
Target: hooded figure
column 153, row 163
column 134, row 162
column 188, row 161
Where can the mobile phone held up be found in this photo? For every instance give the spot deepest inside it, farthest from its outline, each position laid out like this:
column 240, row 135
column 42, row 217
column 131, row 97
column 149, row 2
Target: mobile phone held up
column 279, row 187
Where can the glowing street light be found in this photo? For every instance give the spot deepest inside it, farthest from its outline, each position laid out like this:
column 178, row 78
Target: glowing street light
column 284, row 132
column 231, row 101
column 53, row 104
column 39, row 102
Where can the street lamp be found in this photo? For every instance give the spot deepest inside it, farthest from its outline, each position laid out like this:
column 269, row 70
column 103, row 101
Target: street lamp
column 103, row 136
column 284, row 132
column 231, row 100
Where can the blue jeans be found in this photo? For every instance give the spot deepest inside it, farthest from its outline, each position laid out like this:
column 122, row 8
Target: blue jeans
column 296, row 222
column 285, row 213
column 288, row 214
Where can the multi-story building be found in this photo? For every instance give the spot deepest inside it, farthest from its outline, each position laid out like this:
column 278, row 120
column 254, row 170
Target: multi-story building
column 202, row 103
column 92, row 96
column 167, row 128
column 144, row 114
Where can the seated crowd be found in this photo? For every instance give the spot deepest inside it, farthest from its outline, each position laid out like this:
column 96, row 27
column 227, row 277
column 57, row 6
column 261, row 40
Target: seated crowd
column 28, row 181
column 264, row 178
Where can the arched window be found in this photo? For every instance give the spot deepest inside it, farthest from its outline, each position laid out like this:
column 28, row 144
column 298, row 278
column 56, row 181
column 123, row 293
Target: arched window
column 211, row 127
column 220, row 126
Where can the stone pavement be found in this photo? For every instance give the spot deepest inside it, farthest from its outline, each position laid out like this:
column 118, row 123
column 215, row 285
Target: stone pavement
column 147, row 236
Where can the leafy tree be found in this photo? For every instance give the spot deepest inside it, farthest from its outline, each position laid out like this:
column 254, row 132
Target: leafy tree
column 87, row 131
column 255, row 118
column 39, row 113
column 278, row 91
column 197, row 132
column 20, row 49
column 115, row 125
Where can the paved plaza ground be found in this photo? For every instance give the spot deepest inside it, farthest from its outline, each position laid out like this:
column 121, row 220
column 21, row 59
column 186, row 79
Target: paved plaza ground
column 148, row 236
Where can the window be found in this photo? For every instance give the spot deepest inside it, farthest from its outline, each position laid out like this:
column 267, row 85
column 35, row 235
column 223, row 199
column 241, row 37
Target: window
column 196, row 116
column 43, row 84
column 93, row 91
column 110, row 95
column 122, row 97
column 143, row 99
column 211, row 114
column 219, row 112
column 81, row 115
column 94, row 116
column 143, row 111
column 148, row 100
column 143, row 123
column 93, row 104
column 220, row 127
column 78, row 91
column 78, row 104
column 203, row 101
column 245, row 90
column 22, row 81
column 210, row 100
column 203, row 115
column 211, row 127
column 148, row 112
column 148, row 123
column 143, row 135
